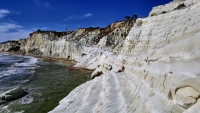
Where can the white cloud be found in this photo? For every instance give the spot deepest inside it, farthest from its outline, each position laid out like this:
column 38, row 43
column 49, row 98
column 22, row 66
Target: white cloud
column 10, row 31
column 78, row 17
column 7, row 34
column 3, row 13
column 5, row 27
column 44, row 28
column 70, row 17
column 19, row 34
column 87, row 15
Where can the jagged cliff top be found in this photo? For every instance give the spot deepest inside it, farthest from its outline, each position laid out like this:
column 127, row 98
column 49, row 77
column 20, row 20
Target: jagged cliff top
column 174, row 5
column 81, row 32
column 59, row 34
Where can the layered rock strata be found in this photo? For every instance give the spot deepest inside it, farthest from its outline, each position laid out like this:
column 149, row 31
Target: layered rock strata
column 70, row 44
column 160, row 55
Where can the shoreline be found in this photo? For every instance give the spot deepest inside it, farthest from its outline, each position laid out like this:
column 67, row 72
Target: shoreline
column 56, row 59
column 65, row 60
column 55, row 76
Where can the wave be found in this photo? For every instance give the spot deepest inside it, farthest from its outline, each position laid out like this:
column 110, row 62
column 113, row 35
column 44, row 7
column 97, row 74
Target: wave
column 27, row 100
column 19, row 65
column 4, row 109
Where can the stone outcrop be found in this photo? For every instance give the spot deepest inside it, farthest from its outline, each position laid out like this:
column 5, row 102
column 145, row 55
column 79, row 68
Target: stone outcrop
column 160, row 54
column 13, row 46
column 71, row 45
column 172, row 6
column 186, row 96
column 11, row 95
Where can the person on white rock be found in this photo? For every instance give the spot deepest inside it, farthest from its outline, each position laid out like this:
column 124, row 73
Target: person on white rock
column 122, row 70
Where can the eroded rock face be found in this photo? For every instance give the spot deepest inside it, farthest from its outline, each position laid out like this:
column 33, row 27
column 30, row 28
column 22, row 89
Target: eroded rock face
column 186, row 96
column 160, row 55
column 71, row 44
column 194, row 108
column 172, row 6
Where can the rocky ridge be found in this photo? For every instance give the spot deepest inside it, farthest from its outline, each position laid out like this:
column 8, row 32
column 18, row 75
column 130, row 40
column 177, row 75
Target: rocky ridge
column 160, row 55
column 71, row 45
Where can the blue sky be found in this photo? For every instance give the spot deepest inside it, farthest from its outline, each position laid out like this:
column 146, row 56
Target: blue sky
column 18, row 18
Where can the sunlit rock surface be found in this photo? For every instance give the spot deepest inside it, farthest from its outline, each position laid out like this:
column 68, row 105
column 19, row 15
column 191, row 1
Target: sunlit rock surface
column 161, row 59
column 160, row 54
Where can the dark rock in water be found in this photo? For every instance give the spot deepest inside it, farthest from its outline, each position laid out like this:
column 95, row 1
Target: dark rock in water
column 3, row 102
column 11, row 95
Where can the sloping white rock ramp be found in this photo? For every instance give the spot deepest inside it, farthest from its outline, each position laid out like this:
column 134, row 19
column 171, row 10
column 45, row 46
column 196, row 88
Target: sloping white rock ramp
column 161, row 56
column 114, row 93
column 109, row 93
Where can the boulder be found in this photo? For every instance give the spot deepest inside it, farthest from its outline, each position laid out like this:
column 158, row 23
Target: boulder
column 11, row 95
column 3, row 102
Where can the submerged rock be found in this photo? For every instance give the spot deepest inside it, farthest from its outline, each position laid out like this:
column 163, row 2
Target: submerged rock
column 3, row 102
column 11, row 95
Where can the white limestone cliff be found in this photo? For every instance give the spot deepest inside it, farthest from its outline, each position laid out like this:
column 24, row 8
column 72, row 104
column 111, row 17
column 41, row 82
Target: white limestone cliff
column 161, row 60
column 160, row 55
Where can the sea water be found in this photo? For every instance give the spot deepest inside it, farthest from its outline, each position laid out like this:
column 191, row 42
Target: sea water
column 47, row 82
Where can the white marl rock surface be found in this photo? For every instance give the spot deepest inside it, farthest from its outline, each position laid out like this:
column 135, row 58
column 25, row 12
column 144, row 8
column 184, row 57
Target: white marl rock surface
column 161, row 59
column 161, row 56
